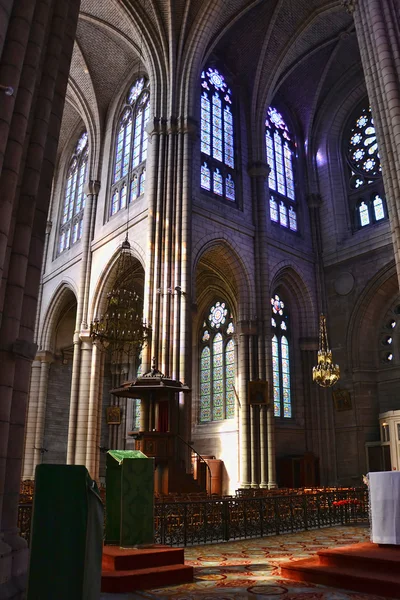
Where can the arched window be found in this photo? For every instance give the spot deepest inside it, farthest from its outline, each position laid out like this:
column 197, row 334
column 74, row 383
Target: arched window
column 217, row 365
column 281, row 359
column 366, row 195
column 130, row 152
column 74, row 198
column 280, row 156
column 217, row 173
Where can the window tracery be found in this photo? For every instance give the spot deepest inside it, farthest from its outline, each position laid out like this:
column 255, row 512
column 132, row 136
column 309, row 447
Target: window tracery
column 366, row 195
column 217, row 365
column 281, row 359
column 74, row 197
column 280, row 149
column 217, row 173
column 130, row 151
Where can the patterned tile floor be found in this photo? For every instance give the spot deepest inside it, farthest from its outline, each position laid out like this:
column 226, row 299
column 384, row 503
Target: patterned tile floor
column 249, row 569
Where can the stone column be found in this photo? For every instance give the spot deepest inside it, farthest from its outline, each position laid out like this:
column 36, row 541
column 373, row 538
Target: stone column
column 37, row 53
column 30, row 429
column 46, row 360
column 263, row 449
column 377, row 29
column 259, row 172
column 81, row 372
column 83, row 402
column 92, row 441
column 244, row 433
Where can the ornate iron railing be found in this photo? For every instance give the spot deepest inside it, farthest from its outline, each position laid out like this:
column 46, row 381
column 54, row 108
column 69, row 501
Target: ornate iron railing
column 231, row 518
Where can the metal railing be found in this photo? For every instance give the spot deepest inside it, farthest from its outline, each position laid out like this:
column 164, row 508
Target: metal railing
column 231, row 518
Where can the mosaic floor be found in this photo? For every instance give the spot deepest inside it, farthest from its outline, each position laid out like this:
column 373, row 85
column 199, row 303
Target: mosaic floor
column 249, row 569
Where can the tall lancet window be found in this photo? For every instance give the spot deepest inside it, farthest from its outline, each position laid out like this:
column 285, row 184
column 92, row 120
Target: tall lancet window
column 280, row 149
column 129, row 167
column 217, row 174
column 74, row 197
column 366, row 194
column 281, row 359
column 217, row 365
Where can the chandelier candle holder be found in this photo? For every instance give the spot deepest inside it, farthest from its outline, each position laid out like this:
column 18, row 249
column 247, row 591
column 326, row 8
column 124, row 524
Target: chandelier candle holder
column 121, row 330
column 326, row 373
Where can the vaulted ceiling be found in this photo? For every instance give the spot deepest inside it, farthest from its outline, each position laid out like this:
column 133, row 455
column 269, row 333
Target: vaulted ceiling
column 297, row 53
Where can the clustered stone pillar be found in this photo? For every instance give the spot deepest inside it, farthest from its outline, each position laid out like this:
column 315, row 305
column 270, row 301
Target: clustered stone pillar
column 167, row 305
column 85, row 385
column 263, row 436
column 377, row 29
column 36, row 42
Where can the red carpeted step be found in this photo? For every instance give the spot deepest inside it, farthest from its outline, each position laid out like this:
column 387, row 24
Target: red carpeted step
column 366, row 579
column 141, row 579
column 366, row 556
column 126, row 559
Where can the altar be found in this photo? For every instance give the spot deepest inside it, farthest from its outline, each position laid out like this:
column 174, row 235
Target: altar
column 384, row 498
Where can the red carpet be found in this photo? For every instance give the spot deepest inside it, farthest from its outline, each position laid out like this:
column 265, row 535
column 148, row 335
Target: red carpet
column 363, row 567
column 126, row 570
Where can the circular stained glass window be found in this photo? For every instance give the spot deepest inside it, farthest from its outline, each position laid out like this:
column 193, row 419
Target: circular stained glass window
column 362, row 150
column 216, row 79
column 218, row 314
column 277, row 305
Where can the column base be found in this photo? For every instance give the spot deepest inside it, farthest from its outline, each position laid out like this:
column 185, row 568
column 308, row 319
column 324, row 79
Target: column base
column 14, row 557
column 263, row 486
column 254, row 486
column 272, row 485
column 245, row 486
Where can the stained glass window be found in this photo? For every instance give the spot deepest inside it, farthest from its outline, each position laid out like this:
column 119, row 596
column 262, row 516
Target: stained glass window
column 273, row 209
column 131, row 147
column 217, row 135
column 364, row 214
column 217, row 365
column 378, row 208
column 74, row 198
column 280, row 359
column 365, row 172
column 280, row 150
column 136, row 415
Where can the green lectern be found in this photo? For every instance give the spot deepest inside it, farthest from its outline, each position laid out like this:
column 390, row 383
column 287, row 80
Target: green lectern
column 129, row 498
column 66, row 535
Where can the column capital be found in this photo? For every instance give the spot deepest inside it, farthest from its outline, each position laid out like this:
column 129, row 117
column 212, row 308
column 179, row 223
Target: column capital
column 44, row 356
column 84, row 336
column 314, row 200
column 92, row 187
column 349, row 5
column 258, row 169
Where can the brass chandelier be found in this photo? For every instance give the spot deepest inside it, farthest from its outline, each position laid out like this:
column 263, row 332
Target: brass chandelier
column 325, row 373
column 121, row 330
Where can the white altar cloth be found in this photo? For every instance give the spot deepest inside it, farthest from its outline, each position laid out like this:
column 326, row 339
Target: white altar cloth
column 384, row 498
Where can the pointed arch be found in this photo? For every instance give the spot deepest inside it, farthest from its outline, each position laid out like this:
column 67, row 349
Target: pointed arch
column 106, row 278
column 62, row 300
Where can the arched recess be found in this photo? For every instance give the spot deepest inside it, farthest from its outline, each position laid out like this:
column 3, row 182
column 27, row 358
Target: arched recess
column 64, row 298
column 219, row 275
column 111, row 375
column 52, row 398
column 366, row 319
column 217, row 265
column 298, row 295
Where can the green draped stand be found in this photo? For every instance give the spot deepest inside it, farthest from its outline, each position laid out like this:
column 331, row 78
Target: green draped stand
column 129, row 498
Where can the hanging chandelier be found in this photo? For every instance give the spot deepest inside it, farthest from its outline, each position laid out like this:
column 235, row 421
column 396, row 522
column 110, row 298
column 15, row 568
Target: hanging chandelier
column 121, row 330
column 325, row 373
